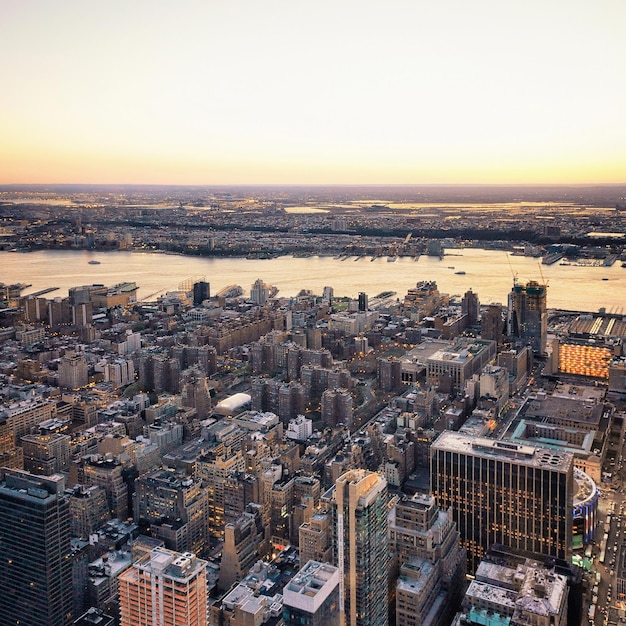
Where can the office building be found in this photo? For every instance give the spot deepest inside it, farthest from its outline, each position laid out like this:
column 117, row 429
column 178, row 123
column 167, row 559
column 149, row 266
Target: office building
column 528, row 317
column 504, row 493
column 164, row 588
column 35, row 565
column 312, row 596
column 242, row 543
column 360, row 549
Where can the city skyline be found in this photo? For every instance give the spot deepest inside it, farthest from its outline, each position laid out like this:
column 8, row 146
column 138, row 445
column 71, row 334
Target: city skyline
column 281, row 93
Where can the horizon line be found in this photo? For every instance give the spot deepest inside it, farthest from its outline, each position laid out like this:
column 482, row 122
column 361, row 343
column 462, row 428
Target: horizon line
column 144, row 184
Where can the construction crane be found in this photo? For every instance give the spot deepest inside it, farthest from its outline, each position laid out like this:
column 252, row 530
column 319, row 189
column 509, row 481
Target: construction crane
column 512, row 271
column 543, row 280
column 150, row 296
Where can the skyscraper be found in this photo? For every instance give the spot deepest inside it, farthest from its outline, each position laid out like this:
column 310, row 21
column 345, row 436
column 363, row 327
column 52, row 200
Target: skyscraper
column 360, row 547
column 363, row 301
column 491, row 323
column 528, row 319
column 201, row 292
column 164, row 588
column 470, row 306
column 504, row 493
column 35, row 565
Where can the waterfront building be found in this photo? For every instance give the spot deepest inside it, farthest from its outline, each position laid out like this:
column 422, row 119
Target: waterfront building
column 201, row 292
column 312, row 596
column 506, row 493
column 528, row 316
column 35, row 565
column 260, row 293
column 165, row 588
column 359, row 505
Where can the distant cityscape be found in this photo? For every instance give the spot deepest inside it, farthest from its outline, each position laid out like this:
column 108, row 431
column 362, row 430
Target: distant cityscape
column 245, row 458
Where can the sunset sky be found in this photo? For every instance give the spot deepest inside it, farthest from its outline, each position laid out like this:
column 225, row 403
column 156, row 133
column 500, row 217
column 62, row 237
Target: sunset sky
column 324, row 92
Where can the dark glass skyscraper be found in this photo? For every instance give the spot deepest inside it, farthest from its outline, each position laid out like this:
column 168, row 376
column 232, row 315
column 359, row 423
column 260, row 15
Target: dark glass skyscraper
column 35, row 564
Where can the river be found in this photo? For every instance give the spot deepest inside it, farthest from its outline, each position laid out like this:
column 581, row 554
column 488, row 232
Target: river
column 489, row 273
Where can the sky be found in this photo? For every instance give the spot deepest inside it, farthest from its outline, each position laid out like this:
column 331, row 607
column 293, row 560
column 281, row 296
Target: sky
column 326, row 92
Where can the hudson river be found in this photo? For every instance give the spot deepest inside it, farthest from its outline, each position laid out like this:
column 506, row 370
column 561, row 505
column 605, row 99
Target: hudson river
column 488, row 273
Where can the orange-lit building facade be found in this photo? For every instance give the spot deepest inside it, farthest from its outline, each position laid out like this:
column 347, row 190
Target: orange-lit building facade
column 165, row 588
column 585, row 359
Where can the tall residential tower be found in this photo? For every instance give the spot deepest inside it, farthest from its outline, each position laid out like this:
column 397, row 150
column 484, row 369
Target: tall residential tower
column 360, row 547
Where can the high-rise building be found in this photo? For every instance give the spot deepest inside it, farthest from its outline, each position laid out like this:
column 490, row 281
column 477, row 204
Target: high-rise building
column 470, row 306
column 360, row 549
column 492, row 323
column 201, row 292
column 73, row 371
column 166, row 496
column 260, row 293
column 35, row 565
column 363, row 301
column 504, row 493
column 336, row 407
column 312, row 596
column 528, row 318
column 242, row 541
column 164, row 588
column 427, row 553
column 315, row 538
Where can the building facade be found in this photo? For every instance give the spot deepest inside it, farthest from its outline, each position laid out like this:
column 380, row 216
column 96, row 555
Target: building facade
column 504, row 493
column 164, row 588
column 35, row 565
